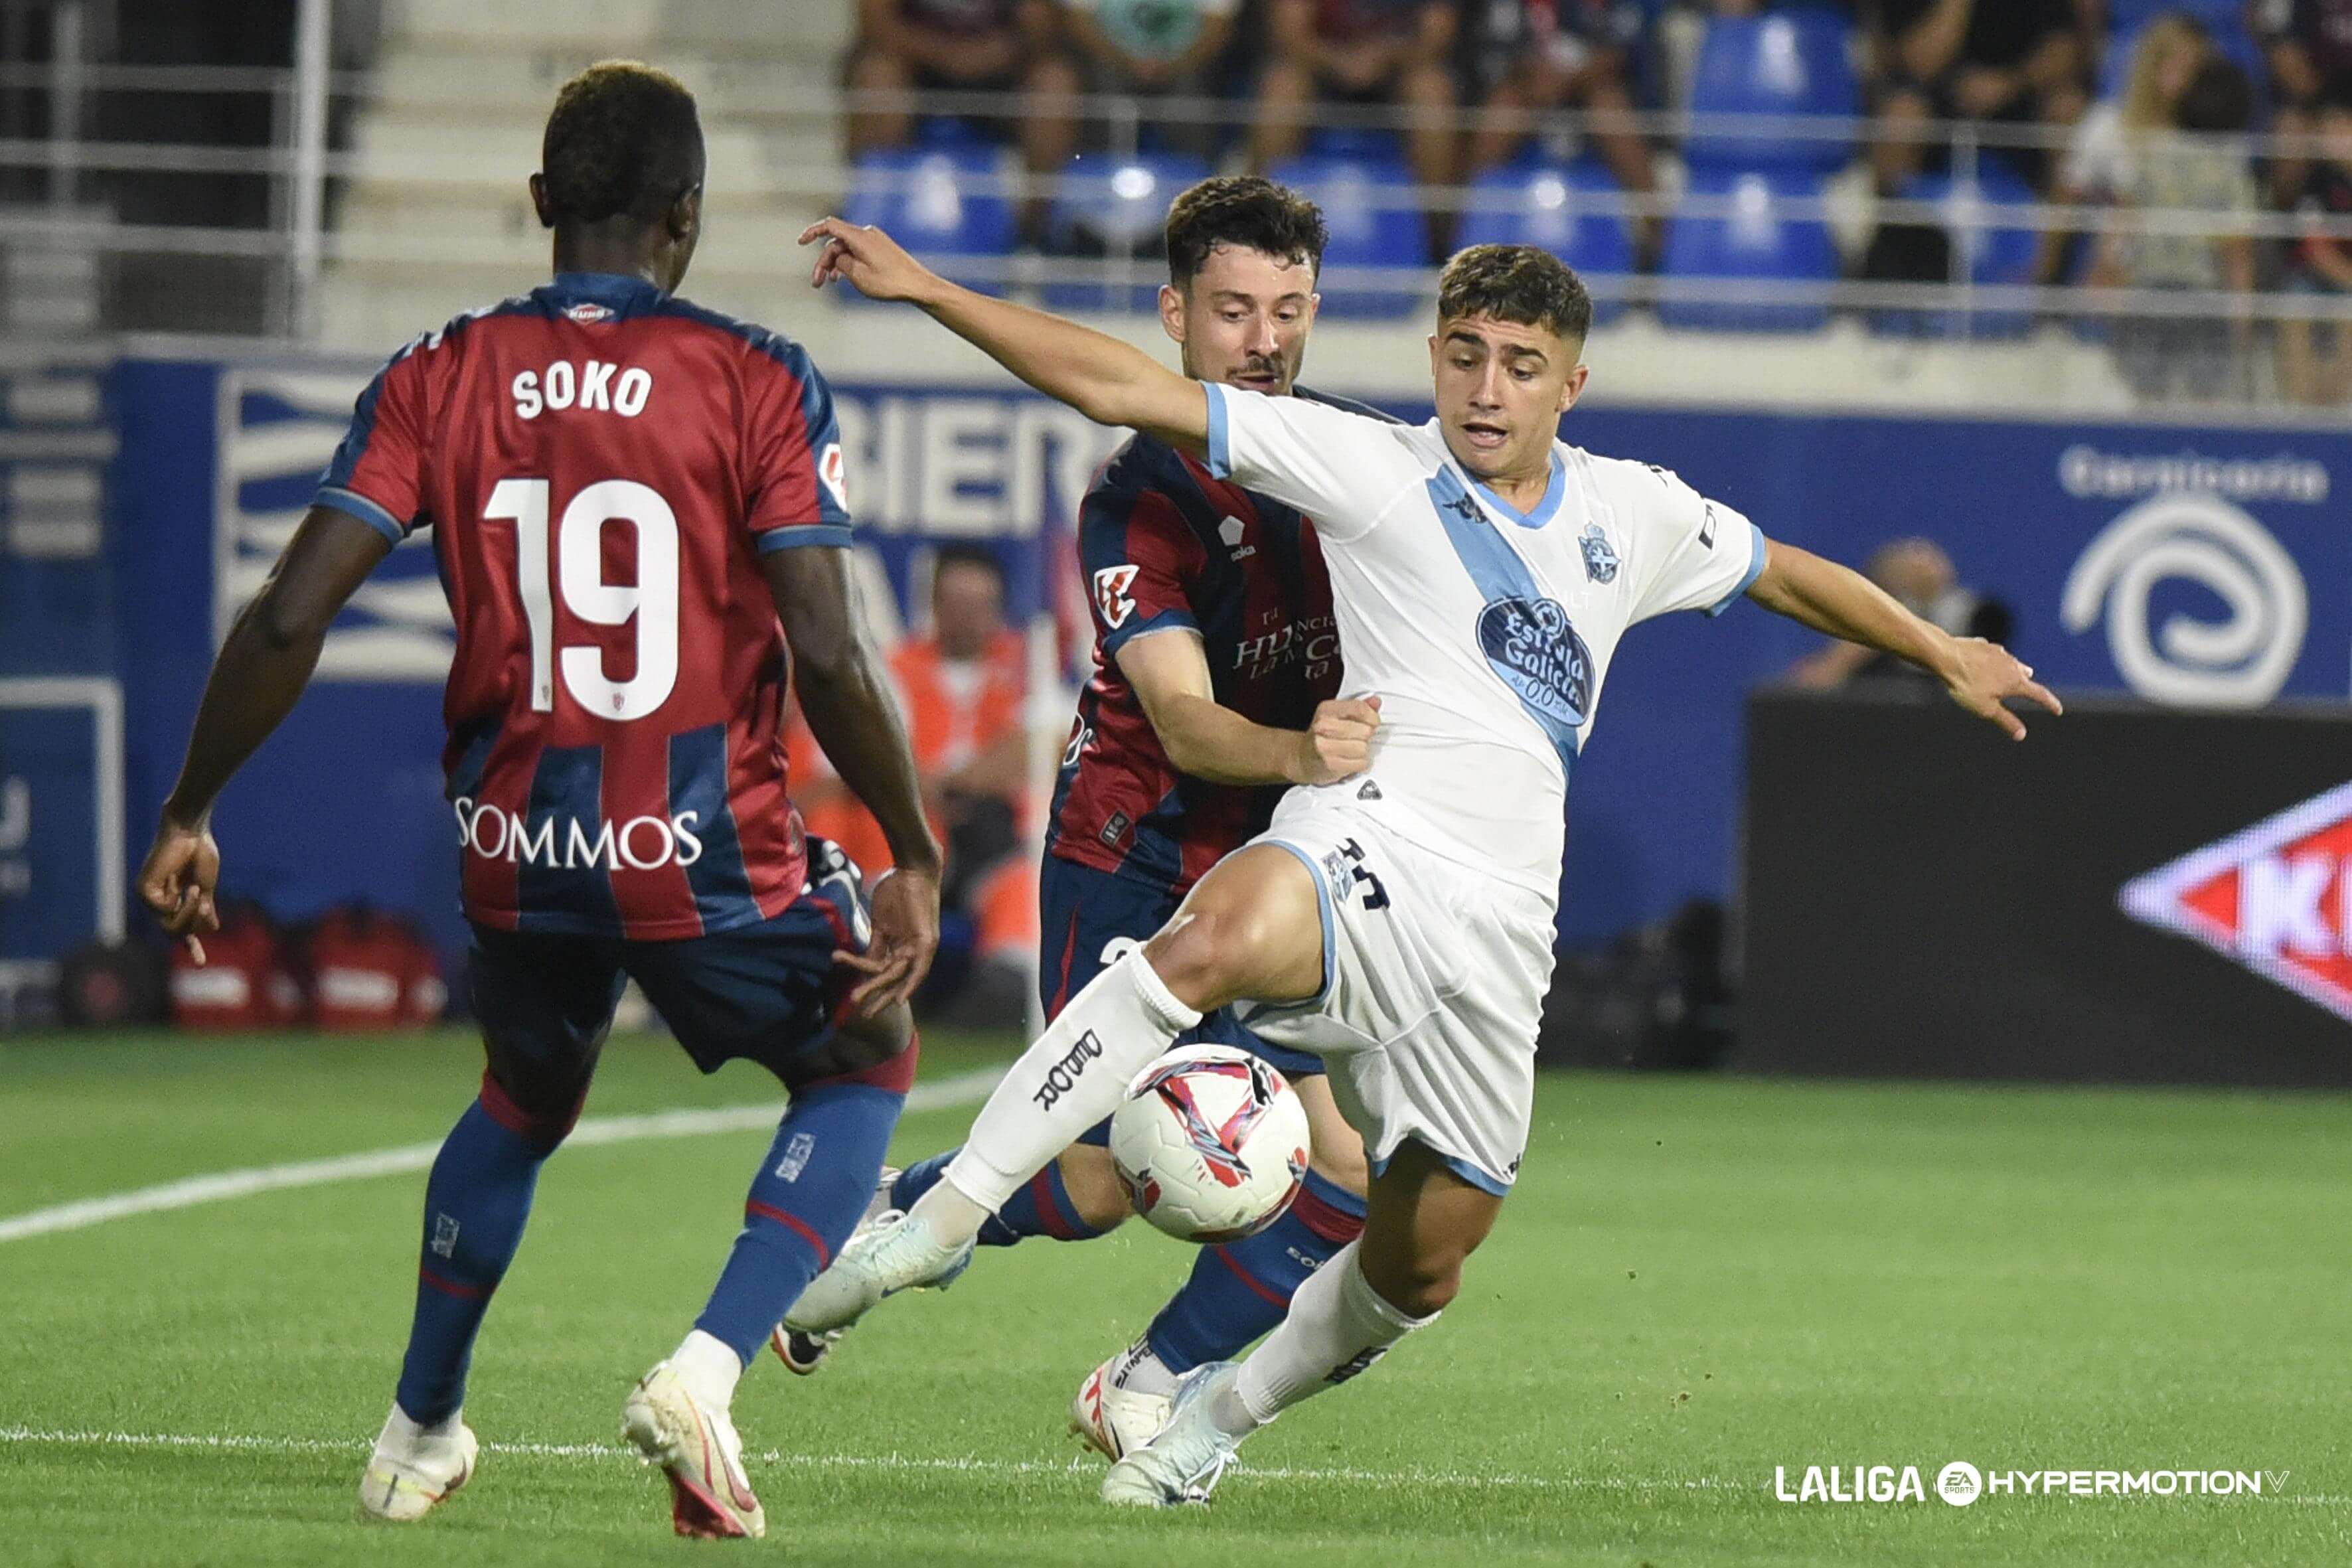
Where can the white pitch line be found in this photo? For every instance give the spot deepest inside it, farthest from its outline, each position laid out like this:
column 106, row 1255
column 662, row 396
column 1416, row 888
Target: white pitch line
column 236, row 1443
column 965, row 1088
column 1077, row 1465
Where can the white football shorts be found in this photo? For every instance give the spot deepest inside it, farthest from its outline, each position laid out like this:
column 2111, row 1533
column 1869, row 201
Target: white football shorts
column 1433, row 985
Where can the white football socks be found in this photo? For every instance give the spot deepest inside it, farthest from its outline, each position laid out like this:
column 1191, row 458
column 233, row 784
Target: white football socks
column 1338, row 1326
column 404, row 1433
column 1070, row 1080
column 708, row 1367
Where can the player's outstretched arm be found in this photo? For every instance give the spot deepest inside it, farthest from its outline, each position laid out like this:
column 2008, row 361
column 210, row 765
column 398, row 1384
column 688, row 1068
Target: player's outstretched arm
column 261, row 673
column 846, row 695
column 1170, row 673
column 1109, row 382
column 1831, row 598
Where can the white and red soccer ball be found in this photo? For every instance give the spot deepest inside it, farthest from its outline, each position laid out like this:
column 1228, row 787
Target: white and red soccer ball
column 1211, row 1143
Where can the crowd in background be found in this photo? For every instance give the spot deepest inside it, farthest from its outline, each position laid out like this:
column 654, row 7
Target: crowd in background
column 2072, row 102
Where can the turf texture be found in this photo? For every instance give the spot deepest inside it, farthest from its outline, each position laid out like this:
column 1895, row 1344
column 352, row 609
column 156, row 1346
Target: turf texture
column 1699, row 1285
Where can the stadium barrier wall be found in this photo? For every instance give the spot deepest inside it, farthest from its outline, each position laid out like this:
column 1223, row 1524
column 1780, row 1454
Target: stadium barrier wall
column 2186, row 564
column 2138, row 894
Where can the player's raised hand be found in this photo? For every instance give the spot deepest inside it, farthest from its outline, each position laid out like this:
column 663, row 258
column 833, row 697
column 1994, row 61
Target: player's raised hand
column 868, row 260
column 178, row 881
column 906, row 913
column 1339, row 743
column 1985, row 674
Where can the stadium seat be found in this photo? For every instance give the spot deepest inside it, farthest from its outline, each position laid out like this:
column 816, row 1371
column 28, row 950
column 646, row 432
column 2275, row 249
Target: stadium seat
column 2128, row 17
column 1532, row 202
column 1993, row 253
column 1116, row 207
column 1756, row 242
column 1360, row 143
column 1792, row 62
column 1375, row 221
column 946, row 204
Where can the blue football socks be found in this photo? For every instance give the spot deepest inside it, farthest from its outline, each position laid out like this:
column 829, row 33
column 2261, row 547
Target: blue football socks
column 811, row 1191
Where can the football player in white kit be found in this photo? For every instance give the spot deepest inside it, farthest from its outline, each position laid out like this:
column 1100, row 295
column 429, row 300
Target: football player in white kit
column 1399, row 922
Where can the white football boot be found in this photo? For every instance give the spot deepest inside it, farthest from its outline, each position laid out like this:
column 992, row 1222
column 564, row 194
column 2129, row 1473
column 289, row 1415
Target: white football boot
column 1181, row 1464
column 803, row 1350
column 696, row 1446
column 1117, row 1410
column 893, row 1255
column 414, row 1470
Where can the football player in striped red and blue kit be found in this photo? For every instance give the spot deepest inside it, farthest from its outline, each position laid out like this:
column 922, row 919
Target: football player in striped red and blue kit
column 1183, row 744
column 637, row 506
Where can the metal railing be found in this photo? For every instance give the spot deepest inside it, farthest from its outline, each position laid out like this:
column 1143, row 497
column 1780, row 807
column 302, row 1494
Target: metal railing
column 296, row 244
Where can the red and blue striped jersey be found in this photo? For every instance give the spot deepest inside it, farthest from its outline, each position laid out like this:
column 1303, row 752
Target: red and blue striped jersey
column 601, row 466
column 1165, row 546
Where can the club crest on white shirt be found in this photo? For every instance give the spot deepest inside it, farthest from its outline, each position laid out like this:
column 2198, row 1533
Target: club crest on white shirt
column 1599, row 555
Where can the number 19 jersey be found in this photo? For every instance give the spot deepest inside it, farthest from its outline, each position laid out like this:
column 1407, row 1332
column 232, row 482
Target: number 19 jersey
column 601, row 466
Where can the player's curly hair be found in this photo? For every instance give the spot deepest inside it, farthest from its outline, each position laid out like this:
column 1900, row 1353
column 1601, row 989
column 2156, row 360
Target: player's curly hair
column 1242, row 210
column 1520, row 283
column 623, row 138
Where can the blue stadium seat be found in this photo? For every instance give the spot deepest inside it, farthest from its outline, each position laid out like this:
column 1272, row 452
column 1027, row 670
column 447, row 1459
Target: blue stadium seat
column 1792, row 62
column 944, row 203
column 2126, row 16
column 1536, row 203
column 1359, row 143
column 1757, row 241
column 1374, row 220
column 1995, row 253
column 1111, row 206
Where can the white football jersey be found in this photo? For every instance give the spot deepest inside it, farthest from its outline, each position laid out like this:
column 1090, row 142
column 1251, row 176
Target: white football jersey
column 1484, row 632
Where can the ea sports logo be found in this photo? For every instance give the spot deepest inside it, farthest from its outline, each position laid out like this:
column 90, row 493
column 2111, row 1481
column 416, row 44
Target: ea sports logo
column 1959, row 1483
column 2238, row 662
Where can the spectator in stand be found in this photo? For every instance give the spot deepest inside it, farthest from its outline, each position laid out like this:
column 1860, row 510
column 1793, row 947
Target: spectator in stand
column 1920, row 575
column 964, row 687
column 2004, row 61
column 2102, row 163
column 2309, row 46
column 1153, row 49
column 1360, row 52
column 2201, row 170
column 2315, row 357
column 967, row 45
column 1548, row 55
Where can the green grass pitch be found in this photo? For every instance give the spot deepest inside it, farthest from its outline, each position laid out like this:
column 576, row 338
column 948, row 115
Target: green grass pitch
column 1697, row 1281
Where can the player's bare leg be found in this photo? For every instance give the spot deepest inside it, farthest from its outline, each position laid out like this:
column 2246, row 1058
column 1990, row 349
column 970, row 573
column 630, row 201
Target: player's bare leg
column 1251, row 928
column 1423, row 1222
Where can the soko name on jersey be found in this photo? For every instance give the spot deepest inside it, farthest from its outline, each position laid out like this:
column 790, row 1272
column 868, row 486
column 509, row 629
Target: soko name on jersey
column 597, row 385
column 642, row 843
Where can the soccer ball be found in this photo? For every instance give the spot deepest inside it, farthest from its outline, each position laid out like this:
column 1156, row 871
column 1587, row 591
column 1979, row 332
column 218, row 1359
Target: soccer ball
column 1210, row 1142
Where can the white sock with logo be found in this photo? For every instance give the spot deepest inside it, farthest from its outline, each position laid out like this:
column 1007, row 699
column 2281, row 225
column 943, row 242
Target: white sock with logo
column 1070, row 1080
column 1338, row 1326
column 708, row 1367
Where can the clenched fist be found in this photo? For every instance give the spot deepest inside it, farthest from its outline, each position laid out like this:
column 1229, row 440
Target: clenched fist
column 1338, row 743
